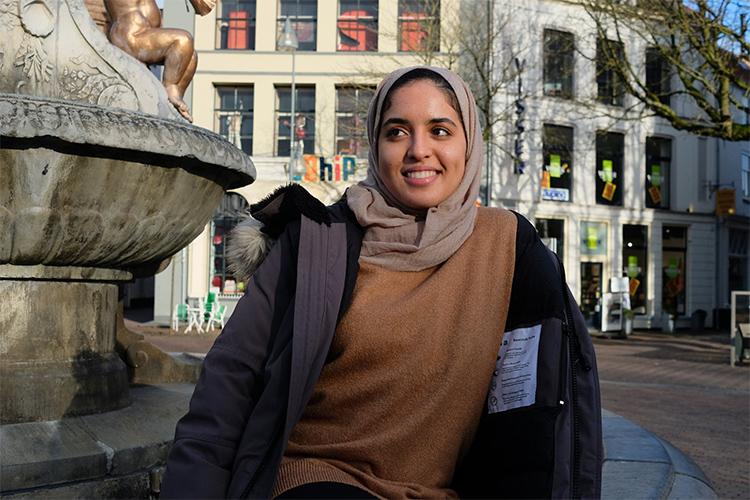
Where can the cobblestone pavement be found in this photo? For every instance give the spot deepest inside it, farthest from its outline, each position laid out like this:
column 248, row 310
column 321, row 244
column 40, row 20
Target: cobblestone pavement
column 681, row 388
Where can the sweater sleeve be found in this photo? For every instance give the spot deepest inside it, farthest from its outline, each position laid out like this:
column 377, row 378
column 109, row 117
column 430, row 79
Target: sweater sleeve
column 206, row 438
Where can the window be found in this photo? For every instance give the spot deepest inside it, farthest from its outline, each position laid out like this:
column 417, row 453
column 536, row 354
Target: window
column 551, row 232
column 657, row 75
column 303, row 14
column 358, row 25
column 658, row 163
column 609, row 155
column 558, row 159
column 558, row 63
column 635, row 261
column 418, row 25
column 594, row 238
column 745, row 175
column 610, row 88
column 233, row 116
column 235, row 29
column 231, row 211
column 304, row 123
column 738, row 243
column 351, row 120
column 674, row 249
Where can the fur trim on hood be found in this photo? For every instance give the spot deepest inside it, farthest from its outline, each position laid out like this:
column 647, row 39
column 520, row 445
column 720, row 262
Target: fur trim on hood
column 252, row 239
column 247, row 248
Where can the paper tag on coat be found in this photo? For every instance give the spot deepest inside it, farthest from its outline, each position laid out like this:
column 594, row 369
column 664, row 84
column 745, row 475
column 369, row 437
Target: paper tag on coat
column 514, row 380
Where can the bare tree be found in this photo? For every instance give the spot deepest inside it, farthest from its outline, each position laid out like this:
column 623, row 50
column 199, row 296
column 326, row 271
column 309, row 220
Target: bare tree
column 696, row 73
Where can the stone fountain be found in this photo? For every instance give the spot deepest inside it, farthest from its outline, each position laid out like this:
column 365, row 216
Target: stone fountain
column 101, row 180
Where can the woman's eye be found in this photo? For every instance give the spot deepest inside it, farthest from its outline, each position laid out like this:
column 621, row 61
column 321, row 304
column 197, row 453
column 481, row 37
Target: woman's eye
column 440, row 131
column 394, row 132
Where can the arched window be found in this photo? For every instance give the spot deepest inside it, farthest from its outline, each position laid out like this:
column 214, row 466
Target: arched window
column 230, row 212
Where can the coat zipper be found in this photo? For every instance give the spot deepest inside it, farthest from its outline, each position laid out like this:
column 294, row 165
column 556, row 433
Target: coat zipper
column 577, row 358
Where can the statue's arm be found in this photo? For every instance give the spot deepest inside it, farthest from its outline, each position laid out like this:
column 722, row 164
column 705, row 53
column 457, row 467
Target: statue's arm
column 203, row 7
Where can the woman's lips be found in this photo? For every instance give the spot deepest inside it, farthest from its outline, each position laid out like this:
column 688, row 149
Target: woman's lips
column 420, row 177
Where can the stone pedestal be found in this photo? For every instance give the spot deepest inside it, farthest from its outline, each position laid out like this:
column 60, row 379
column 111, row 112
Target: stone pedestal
column 57, row 343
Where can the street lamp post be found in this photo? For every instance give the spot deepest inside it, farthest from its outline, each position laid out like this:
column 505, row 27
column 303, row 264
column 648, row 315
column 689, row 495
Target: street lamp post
column 289, row 42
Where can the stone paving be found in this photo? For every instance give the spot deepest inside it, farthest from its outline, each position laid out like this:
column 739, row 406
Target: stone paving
column 682, row 388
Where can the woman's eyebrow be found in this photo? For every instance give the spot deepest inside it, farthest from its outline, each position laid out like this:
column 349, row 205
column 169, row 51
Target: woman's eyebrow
column 402, row 121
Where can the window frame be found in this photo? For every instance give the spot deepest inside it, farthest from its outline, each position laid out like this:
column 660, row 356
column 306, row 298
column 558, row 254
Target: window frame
column 220, row 112
column 430, row 17
column 223, row 21
column 279, row 114
column 360, row 109
column 371, row 19
column 654, row 62
column 550, row 57
column 298, row 20
column 564, row 181
column 665, row 165
column 610, row 89
column 617, row 169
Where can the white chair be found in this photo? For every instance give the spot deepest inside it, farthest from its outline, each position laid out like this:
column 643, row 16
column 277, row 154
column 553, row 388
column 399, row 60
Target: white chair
column 218, row 311
column 180, row 314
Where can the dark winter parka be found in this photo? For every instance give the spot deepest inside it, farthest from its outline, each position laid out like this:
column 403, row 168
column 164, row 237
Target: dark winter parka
column 258, row 376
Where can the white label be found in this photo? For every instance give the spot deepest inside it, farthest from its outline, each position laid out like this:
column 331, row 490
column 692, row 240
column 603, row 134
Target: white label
column 514, row 381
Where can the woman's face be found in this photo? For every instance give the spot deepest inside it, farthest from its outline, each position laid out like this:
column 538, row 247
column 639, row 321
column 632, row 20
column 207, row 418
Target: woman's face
column 421, row 146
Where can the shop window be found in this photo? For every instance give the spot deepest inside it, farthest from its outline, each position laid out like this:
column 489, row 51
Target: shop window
column 231, row 211
column 304, row 121
column 658, row 166
column 357, row 25
column 593, row 238
column 559, row 50
column 635, row 260
column 303, row 15
column 610, row 87
column 418, row 25
column 558, row 162
column 658, row 75
column 591, row 293
column 233, row 116
column 235, row 29
column 674, row 253
column 745, row 172
column 551, row 231
column 609, row 158
column 351, row 120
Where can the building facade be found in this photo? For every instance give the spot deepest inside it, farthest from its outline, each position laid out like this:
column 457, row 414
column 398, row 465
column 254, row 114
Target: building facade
column 612, row 197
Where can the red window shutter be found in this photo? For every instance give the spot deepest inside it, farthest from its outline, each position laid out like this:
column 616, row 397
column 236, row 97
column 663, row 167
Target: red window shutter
column 413, row 31
column 238, row 28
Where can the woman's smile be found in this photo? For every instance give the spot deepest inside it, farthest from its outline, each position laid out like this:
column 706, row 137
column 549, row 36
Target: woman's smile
column 421, row 146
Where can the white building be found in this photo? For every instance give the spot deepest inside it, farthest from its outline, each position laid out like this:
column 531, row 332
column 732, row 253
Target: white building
column 614, row 197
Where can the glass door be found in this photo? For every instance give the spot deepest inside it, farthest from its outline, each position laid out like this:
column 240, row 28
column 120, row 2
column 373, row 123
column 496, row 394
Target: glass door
column 591, row 293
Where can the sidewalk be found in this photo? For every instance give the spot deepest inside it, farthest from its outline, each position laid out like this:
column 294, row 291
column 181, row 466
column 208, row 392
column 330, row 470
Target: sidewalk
column 680, row 387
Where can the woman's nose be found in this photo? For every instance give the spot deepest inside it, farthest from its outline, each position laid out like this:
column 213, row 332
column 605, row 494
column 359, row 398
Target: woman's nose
column 419, row 147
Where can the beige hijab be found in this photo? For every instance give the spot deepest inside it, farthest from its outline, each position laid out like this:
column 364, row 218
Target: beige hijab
column 395, row 237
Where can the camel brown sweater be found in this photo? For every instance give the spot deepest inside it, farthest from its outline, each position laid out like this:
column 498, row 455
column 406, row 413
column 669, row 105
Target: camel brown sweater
column 399, row 400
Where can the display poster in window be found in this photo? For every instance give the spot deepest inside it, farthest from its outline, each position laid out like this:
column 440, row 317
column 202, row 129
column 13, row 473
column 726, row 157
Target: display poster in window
column 592, row 238
column 555, row 194
column 606, row 173
column 608, row 193
column 655, row 179
column 545, row 179
column 555, row 168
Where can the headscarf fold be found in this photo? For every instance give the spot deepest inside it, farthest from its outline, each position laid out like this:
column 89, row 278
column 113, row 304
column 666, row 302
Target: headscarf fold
column 396, row 237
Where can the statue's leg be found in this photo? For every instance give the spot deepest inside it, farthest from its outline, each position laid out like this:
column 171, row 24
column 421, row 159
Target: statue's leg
column 174, row 48
column 187, row 76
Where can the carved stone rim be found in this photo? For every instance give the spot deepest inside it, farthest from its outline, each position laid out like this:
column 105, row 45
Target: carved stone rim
column 117, row 133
